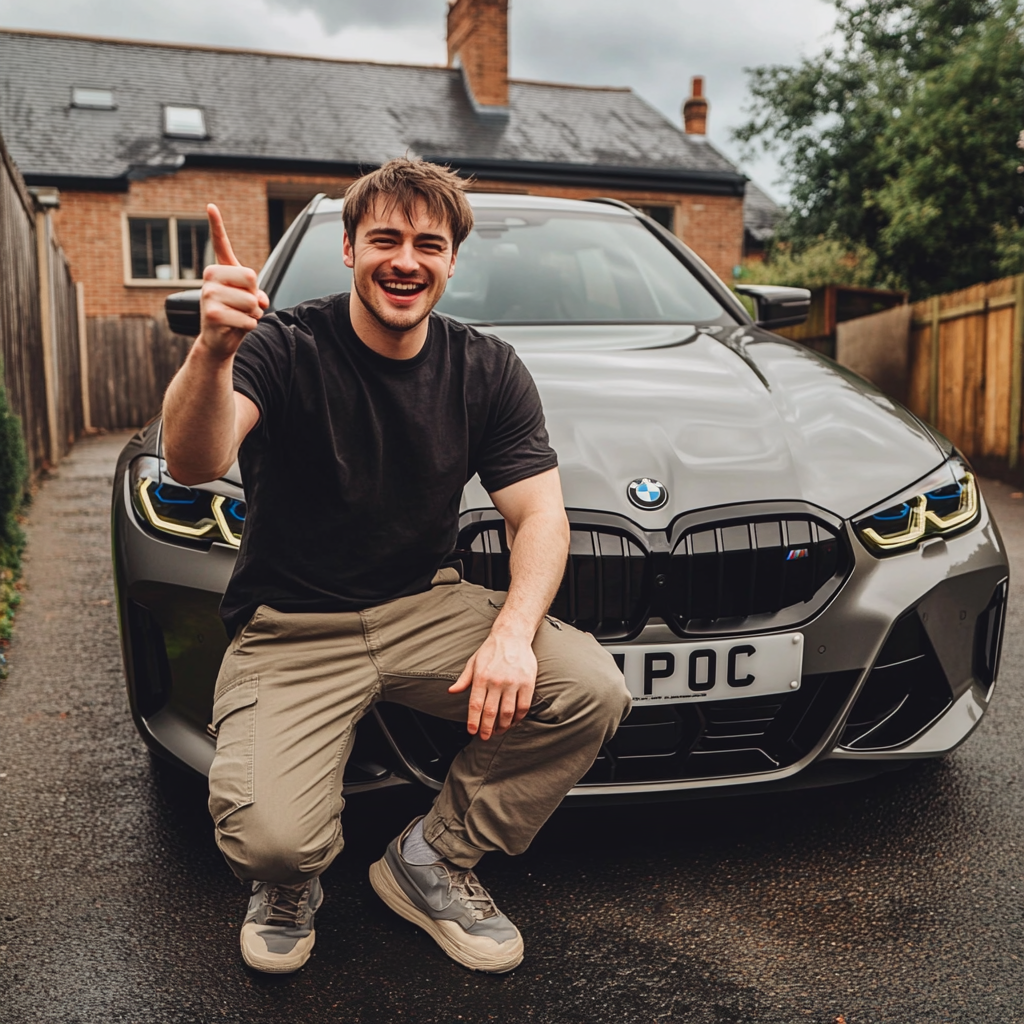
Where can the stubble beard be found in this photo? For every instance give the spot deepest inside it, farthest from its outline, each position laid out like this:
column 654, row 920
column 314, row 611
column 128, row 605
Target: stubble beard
column 395, row 325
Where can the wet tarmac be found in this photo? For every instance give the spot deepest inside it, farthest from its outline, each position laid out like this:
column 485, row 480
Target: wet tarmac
column 897, row 900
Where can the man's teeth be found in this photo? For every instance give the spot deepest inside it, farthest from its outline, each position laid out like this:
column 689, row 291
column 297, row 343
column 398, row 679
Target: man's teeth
column 395, row 286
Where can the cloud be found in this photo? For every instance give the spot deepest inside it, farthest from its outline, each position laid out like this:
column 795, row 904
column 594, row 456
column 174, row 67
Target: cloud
column 336, row 15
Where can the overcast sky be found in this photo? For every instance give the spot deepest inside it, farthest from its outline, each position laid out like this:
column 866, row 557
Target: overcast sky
column 654, row 46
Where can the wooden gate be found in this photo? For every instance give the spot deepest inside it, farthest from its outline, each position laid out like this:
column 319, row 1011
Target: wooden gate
column 966, row 372
column 38, row 323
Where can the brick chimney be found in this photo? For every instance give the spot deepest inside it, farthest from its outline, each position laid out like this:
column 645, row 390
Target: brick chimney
column 695, row 109
column 478, row 43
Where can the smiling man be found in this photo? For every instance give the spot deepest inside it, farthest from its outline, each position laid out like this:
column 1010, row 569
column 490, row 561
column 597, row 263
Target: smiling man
column 356, row 421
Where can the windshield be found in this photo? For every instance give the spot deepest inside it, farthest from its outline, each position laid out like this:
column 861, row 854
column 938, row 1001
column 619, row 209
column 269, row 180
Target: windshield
column 532, row 267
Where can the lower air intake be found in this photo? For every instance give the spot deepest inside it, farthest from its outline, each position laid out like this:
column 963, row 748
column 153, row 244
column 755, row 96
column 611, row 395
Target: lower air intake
column 674, row 742
column 905, row 692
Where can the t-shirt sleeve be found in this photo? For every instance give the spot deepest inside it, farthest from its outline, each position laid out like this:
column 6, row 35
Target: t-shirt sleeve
column 515, row 445
column 263, row 370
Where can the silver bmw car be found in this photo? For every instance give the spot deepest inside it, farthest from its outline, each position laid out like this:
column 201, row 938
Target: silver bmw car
column 799, row 579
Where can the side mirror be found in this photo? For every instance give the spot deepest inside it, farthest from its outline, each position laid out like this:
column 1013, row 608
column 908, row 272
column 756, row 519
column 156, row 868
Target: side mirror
column 182, row 310
column 776, row 306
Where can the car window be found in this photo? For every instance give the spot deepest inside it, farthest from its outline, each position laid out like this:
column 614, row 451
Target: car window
column 524, row 266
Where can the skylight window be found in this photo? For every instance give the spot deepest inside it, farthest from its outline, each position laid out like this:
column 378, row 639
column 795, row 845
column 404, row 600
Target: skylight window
column 92, row 99
column 185, row 122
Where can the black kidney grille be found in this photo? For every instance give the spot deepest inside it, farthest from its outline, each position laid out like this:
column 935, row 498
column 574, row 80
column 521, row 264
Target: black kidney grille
column 733, row 570
column 604, row 587
column 484, row 555
column 718, row 573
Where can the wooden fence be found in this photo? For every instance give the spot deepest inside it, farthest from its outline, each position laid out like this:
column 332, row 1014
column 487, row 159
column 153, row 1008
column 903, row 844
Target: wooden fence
column 834, row 304
column 39, row 323
column 131, row 361
column 965, row 369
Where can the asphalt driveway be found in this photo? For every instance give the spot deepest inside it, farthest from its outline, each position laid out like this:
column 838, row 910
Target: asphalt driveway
column 897, row 900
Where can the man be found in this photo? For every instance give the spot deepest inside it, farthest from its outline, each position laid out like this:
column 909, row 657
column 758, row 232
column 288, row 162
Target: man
column 357, row 420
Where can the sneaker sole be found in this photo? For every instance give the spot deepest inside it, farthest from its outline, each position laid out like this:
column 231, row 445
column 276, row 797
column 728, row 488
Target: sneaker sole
column 385, row 886
column 277, row 963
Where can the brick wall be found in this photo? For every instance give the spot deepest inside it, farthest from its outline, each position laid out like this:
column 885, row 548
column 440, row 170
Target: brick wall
column 91, row 226
column 92, row 231
column 478, row 36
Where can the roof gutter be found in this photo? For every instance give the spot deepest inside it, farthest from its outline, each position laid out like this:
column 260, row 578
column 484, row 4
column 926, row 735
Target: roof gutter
column 596, row 176
column 80, row 182
column 602, row 176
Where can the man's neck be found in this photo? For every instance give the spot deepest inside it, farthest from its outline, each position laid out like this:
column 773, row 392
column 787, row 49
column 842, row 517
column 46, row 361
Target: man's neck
column 380, row 339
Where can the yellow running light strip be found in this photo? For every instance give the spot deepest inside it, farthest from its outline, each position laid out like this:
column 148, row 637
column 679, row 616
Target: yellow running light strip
column 218, row 514
column 968, row 506
column 163, row 524
column 911, row 535
column 921, row 518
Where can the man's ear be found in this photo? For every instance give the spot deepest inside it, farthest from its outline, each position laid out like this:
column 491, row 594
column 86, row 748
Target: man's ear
column 451, row 266
column 348, row 254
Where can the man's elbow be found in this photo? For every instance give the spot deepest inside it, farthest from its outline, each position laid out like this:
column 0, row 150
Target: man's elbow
column 189, row 472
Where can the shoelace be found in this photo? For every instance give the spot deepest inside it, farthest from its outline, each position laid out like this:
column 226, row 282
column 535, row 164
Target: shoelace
column 285, row 903
column 472, row 893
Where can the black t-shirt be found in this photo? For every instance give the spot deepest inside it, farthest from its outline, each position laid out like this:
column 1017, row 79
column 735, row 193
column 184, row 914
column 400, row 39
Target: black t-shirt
column 354, row 474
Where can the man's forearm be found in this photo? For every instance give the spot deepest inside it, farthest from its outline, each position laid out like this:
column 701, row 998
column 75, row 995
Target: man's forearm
column 199, row 433
column 537, row 564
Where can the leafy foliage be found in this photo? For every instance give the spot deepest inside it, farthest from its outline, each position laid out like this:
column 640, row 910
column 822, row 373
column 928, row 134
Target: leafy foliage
column 902, row 136
column 824, row 261
column 13, row 482
column 13, row 479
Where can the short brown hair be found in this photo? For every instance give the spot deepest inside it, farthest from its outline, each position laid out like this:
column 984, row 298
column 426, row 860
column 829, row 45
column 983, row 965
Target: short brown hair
column 401, row 182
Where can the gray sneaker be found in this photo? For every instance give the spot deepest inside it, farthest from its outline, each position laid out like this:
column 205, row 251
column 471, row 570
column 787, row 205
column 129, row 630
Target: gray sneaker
column 277, row 934
column 451, row 906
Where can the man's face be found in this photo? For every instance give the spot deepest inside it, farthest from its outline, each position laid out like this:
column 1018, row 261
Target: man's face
column 400, row 266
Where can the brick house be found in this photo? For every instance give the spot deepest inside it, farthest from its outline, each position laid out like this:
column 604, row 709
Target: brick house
column 138, row 137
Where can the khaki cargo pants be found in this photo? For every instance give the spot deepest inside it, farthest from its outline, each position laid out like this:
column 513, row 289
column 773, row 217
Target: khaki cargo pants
column 292, row 688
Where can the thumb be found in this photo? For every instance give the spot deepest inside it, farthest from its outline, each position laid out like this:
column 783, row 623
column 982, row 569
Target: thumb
column 466, row 679
column 219, row 237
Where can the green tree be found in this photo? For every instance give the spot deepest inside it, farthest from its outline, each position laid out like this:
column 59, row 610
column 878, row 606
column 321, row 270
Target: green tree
column 901, row 138
column 823, row 261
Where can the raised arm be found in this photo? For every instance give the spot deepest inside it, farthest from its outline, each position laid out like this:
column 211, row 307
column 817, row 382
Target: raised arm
column 503, row 672
column 205, row 419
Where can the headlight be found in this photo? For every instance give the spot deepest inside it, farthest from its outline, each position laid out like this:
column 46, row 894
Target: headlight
column 942, row 503
column 184, row 511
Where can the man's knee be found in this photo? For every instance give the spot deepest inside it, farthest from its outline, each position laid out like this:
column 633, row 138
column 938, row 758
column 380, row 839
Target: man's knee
column 273, row 847
column 591, row 686
column 610, row 699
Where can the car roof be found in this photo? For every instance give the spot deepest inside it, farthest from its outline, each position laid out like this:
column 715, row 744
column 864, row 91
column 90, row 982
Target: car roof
column 506, row 201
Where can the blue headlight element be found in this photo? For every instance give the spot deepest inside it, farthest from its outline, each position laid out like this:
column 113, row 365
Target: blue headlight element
column 894, row 514
column 183, row 511
column 944, row 502
column 170, row 494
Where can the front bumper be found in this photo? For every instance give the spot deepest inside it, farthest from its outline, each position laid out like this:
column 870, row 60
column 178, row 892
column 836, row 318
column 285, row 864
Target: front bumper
column 173, row 641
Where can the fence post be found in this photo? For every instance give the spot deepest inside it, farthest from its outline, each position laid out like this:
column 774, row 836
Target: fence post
column 47, row 331
column 1016, row 370
column 933, row 373
column 83, row 357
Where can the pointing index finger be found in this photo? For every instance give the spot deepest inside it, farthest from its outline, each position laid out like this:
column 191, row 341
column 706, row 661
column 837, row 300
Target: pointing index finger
column 219, row 237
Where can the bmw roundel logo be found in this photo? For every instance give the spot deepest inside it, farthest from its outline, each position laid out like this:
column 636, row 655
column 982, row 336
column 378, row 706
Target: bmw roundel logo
column 647, row 493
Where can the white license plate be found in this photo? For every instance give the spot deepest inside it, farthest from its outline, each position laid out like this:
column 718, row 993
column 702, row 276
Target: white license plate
column 711, row 669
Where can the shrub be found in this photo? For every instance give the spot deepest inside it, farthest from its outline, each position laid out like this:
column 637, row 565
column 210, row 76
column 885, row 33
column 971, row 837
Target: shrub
column 13, row 480
column 824, row 261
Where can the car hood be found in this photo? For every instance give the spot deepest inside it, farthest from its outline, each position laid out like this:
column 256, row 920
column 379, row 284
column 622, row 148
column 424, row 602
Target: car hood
column 724, row 416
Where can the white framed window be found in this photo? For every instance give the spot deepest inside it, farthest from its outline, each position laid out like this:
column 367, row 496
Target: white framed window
column 92, row 99
column 185, row 122
column 166, row 250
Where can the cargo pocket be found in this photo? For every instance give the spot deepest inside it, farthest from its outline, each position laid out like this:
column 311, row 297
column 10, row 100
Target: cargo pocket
column 232, row 771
